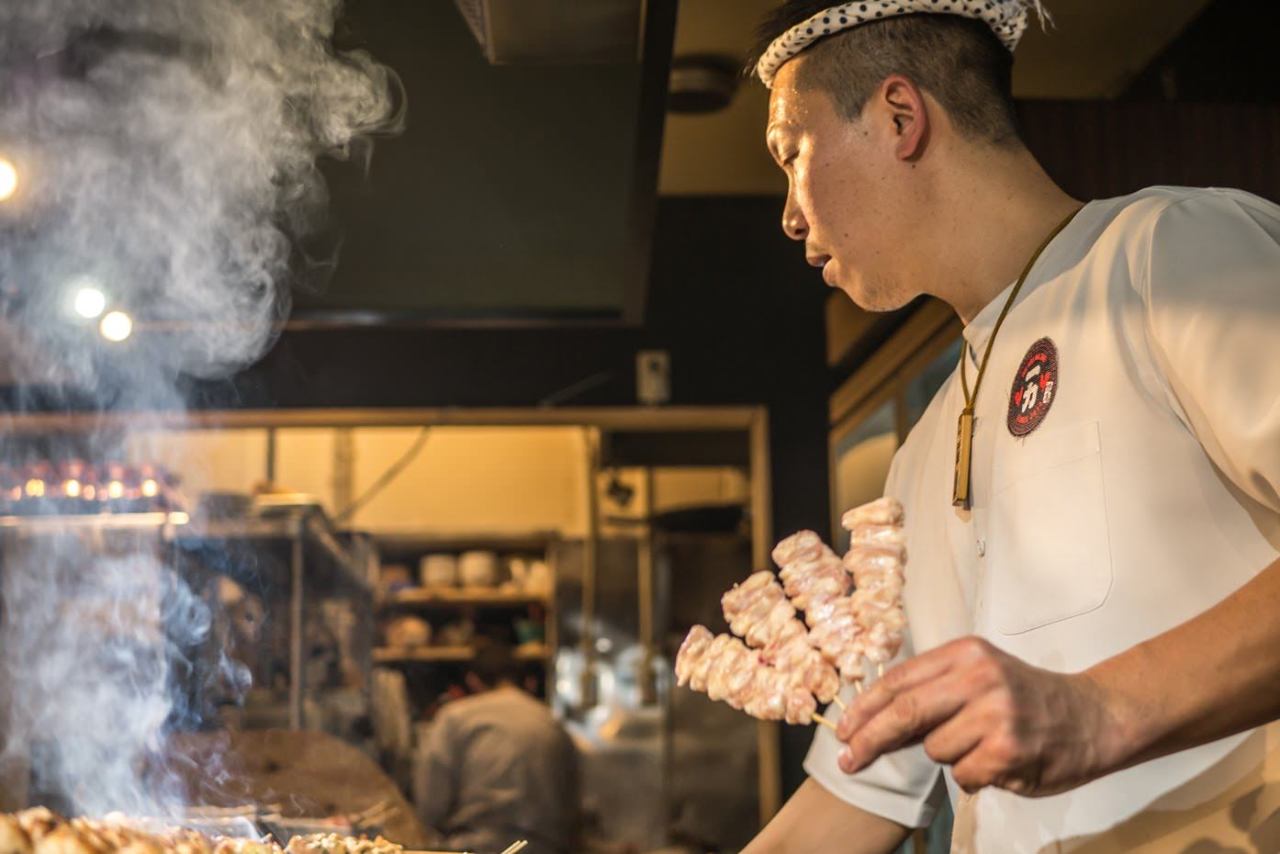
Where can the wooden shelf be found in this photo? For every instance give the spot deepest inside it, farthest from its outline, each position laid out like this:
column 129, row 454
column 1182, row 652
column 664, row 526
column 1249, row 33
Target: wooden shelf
column 447, row 654
column 479, row 596
column 408, row 543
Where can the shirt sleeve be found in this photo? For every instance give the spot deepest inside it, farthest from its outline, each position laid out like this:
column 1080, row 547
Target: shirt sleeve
column 1212, row 296
column 904, row 786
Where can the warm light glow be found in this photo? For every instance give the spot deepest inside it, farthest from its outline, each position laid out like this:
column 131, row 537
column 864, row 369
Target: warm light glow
column 116, row 326
column 90, row 493
column 150, row 488
column 35, row 488
column 71, row 489
column 115, row 489
column 89, row 302
column 8, row 180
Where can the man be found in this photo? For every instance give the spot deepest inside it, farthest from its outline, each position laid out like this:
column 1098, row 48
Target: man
column 497, row 767
column 1093, row 504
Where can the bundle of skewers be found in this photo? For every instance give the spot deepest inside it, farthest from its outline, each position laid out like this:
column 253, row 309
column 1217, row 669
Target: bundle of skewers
column 776, row 666
column 41, row 831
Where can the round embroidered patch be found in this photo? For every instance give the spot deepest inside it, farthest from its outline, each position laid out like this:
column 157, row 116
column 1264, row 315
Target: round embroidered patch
column 1034, row 387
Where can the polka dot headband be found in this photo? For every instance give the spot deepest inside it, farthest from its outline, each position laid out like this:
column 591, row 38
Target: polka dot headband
column 1007, row 19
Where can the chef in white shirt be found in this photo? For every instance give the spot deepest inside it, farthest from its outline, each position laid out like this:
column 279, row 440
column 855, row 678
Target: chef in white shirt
column 1092, row 499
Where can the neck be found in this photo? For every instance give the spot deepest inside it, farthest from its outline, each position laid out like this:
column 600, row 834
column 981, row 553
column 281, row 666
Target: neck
column 994, row 216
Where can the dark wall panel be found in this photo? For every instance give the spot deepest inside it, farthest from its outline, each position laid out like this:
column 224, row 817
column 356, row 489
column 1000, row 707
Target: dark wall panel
column 1098, row 149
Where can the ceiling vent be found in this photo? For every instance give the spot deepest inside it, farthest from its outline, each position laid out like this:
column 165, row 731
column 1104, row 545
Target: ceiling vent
column 522, row 32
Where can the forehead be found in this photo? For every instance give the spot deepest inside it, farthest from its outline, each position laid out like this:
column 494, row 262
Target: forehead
column 790, row 108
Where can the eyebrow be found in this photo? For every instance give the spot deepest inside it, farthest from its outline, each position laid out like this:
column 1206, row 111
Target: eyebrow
column 771, row 132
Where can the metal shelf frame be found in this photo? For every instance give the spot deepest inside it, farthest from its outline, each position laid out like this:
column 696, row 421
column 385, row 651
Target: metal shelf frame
column 316, row 558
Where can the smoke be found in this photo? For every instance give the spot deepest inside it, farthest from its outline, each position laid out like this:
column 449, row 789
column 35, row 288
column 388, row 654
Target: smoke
column 92, row 675
column 167, row 151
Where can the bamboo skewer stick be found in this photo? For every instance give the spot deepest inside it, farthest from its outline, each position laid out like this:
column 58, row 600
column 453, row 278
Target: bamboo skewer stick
column 819, row 719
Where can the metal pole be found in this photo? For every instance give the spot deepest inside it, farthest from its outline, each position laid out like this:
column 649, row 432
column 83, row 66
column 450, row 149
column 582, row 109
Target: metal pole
column 590, row 549
column 297, row 663
column 644, row 584
column 271, row 456
column 767, row 733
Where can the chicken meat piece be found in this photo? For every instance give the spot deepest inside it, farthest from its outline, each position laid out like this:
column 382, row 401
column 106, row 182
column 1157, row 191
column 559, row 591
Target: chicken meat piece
column 864, row 564
column 805, row 666
column 38, row 822
column 882, row 511
column 810, row 583
column 800, row 546
column 691, row 652
column 879, row 538
column 13, row 839
column 65, row 839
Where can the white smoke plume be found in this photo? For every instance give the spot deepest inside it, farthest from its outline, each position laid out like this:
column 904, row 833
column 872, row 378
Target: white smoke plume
column 167, row 152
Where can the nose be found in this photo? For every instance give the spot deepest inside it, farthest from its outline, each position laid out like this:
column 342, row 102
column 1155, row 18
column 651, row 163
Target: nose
column 794, row 225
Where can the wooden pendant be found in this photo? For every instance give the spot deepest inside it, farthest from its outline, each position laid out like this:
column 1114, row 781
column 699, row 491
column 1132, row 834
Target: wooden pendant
column 964, row 455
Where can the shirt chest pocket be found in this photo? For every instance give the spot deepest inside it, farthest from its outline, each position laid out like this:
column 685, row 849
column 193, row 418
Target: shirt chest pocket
column 1049, row 552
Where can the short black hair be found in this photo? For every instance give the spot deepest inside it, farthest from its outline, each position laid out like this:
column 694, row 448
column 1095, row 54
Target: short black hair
column 956, row 59
column 495, row 662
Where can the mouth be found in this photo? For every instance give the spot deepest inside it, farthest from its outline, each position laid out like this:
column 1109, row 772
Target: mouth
column 823, row 261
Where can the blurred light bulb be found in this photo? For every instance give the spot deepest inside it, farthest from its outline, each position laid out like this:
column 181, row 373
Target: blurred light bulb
column 90, row 493
column 150, row 488
column 115, row 489
column 89, row 302
column 8, row 180
column 71, row 488
column 35, row 488
column 116, row 326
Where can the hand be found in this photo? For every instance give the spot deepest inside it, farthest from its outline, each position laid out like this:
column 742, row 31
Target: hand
column 996, row 720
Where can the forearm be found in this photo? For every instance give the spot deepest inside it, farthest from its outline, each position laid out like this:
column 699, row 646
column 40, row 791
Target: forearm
column 815, row 820
column 1208, row 678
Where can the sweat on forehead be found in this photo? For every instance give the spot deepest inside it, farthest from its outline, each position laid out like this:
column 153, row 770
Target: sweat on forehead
column 1006, row 18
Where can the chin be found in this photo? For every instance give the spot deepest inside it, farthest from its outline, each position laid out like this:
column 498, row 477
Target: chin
column 878, row 296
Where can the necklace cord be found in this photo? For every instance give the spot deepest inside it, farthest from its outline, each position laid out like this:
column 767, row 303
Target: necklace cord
column 971, row 399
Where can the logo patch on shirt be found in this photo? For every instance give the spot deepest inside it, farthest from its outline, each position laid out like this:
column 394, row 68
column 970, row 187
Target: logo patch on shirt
column 1034, row 388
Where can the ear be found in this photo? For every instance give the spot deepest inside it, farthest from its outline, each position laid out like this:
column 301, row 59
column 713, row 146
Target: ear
column 909, row 114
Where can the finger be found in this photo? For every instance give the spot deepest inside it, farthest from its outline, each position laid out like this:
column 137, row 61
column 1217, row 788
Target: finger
column 907, row 719
column 904, row 677
column 955, row 738
column 998, row 760
column 975, row 771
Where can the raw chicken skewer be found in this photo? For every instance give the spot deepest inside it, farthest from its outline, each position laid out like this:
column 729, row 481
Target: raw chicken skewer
column 876, row 560
column 870, row 622
column 817, row 582
column 853, row 608
column 725, row 669
column 758, row 611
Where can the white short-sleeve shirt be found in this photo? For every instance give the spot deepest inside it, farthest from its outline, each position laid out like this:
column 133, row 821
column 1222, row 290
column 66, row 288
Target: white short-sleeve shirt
column 1126, row 477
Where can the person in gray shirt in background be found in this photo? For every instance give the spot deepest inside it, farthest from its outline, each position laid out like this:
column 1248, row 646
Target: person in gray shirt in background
column 496, row 766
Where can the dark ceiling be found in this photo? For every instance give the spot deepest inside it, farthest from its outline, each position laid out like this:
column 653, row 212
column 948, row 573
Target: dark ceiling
column 515, row 193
